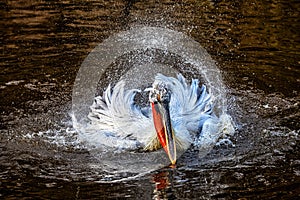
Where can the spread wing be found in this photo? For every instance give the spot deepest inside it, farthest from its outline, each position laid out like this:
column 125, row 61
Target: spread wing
column 118, row 120
column 190, row 104
column 192, row 111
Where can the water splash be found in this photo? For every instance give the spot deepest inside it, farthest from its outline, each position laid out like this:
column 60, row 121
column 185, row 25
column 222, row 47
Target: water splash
column 136, row 56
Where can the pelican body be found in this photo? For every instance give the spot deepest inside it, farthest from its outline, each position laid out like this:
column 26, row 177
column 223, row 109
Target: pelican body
column 175, row 117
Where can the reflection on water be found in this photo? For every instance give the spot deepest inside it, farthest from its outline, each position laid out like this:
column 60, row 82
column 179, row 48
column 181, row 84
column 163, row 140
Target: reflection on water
column 255, row 44
column 163, row 181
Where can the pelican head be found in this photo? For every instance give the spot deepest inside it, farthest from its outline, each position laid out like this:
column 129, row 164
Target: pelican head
column 160, row 97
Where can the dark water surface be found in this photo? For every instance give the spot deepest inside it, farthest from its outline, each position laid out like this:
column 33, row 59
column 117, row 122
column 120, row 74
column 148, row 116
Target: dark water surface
column 255, row 44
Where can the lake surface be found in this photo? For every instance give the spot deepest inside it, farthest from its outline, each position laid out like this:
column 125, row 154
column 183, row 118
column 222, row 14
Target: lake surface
column 255, row 45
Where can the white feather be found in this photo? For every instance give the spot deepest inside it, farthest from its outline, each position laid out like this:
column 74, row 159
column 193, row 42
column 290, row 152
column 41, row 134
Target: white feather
column 116, row 121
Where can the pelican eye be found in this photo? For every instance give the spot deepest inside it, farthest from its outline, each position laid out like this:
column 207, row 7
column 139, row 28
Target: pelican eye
column 153, row 97
column 165, row 96
column 159, row 93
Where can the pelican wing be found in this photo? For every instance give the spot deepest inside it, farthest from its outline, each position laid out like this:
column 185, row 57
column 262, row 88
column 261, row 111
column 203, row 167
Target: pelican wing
column 116, row 115
column 190, row 104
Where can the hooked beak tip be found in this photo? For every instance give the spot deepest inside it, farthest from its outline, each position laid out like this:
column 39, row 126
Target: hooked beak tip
column 173, row 162
column 171, row 154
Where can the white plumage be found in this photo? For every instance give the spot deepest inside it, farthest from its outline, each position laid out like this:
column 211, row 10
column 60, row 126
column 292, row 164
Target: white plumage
column 116, row 121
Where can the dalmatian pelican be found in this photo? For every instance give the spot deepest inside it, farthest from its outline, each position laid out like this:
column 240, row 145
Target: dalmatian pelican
column 177, row 114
